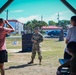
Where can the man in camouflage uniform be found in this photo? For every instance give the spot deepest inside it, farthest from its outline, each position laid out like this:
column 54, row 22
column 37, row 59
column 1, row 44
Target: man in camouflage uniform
column 37, row 38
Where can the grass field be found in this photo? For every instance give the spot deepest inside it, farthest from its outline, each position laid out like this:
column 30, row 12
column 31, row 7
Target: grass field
column 10, row 41
column 52, row 51
column 51, row 48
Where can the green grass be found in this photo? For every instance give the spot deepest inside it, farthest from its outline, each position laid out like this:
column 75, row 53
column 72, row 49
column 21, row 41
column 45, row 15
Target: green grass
column 47, row 44
column 52, row 49
column 51, row 46
column 9, row 43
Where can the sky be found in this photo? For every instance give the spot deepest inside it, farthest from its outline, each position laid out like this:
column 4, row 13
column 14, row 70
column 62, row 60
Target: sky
column 27, row 10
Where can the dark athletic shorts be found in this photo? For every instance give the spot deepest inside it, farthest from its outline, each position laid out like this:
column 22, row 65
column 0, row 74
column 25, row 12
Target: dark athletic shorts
column 3, row 56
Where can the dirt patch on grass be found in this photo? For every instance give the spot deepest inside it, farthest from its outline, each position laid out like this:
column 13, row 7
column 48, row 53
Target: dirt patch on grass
column 17, row 65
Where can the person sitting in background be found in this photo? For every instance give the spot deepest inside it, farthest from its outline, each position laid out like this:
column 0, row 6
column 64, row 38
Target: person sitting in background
column 71, row 63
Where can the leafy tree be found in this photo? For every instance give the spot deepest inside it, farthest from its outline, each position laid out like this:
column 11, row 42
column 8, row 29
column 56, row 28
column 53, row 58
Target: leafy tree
column 34, row 23
column 42, row 23
column 51, row 23
column 64, row 23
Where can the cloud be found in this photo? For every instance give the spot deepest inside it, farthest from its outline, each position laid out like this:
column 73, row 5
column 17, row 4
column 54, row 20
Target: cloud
column 17, row 11
column 53, row 17
column 65, row 15
column 62, row 15
column 24, row 20
column 63, row 12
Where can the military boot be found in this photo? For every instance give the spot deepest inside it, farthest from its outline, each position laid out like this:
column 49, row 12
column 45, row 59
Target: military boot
column 40, row 58
column 39, row 61
column 31, row 62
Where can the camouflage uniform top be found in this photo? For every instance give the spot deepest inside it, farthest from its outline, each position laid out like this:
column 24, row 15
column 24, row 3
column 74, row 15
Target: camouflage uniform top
column 37, row 37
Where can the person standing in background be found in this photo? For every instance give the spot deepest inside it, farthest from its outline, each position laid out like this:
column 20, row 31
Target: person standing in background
column 37, row 38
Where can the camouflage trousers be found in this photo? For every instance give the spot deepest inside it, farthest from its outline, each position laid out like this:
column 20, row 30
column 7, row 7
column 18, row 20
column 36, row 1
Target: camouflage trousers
column 36, row 48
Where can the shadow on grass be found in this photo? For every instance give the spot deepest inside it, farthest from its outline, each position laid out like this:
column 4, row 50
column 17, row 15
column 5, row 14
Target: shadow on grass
column 20, row 66
column 25, row 51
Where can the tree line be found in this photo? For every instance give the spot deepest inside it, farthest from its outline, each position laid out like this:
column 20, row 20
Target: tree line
column 35, row 23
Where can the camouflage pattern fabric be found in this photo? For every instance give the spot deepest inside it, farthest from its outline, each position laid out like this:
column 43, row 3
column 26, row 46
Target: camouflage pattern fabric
column 36, row 46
